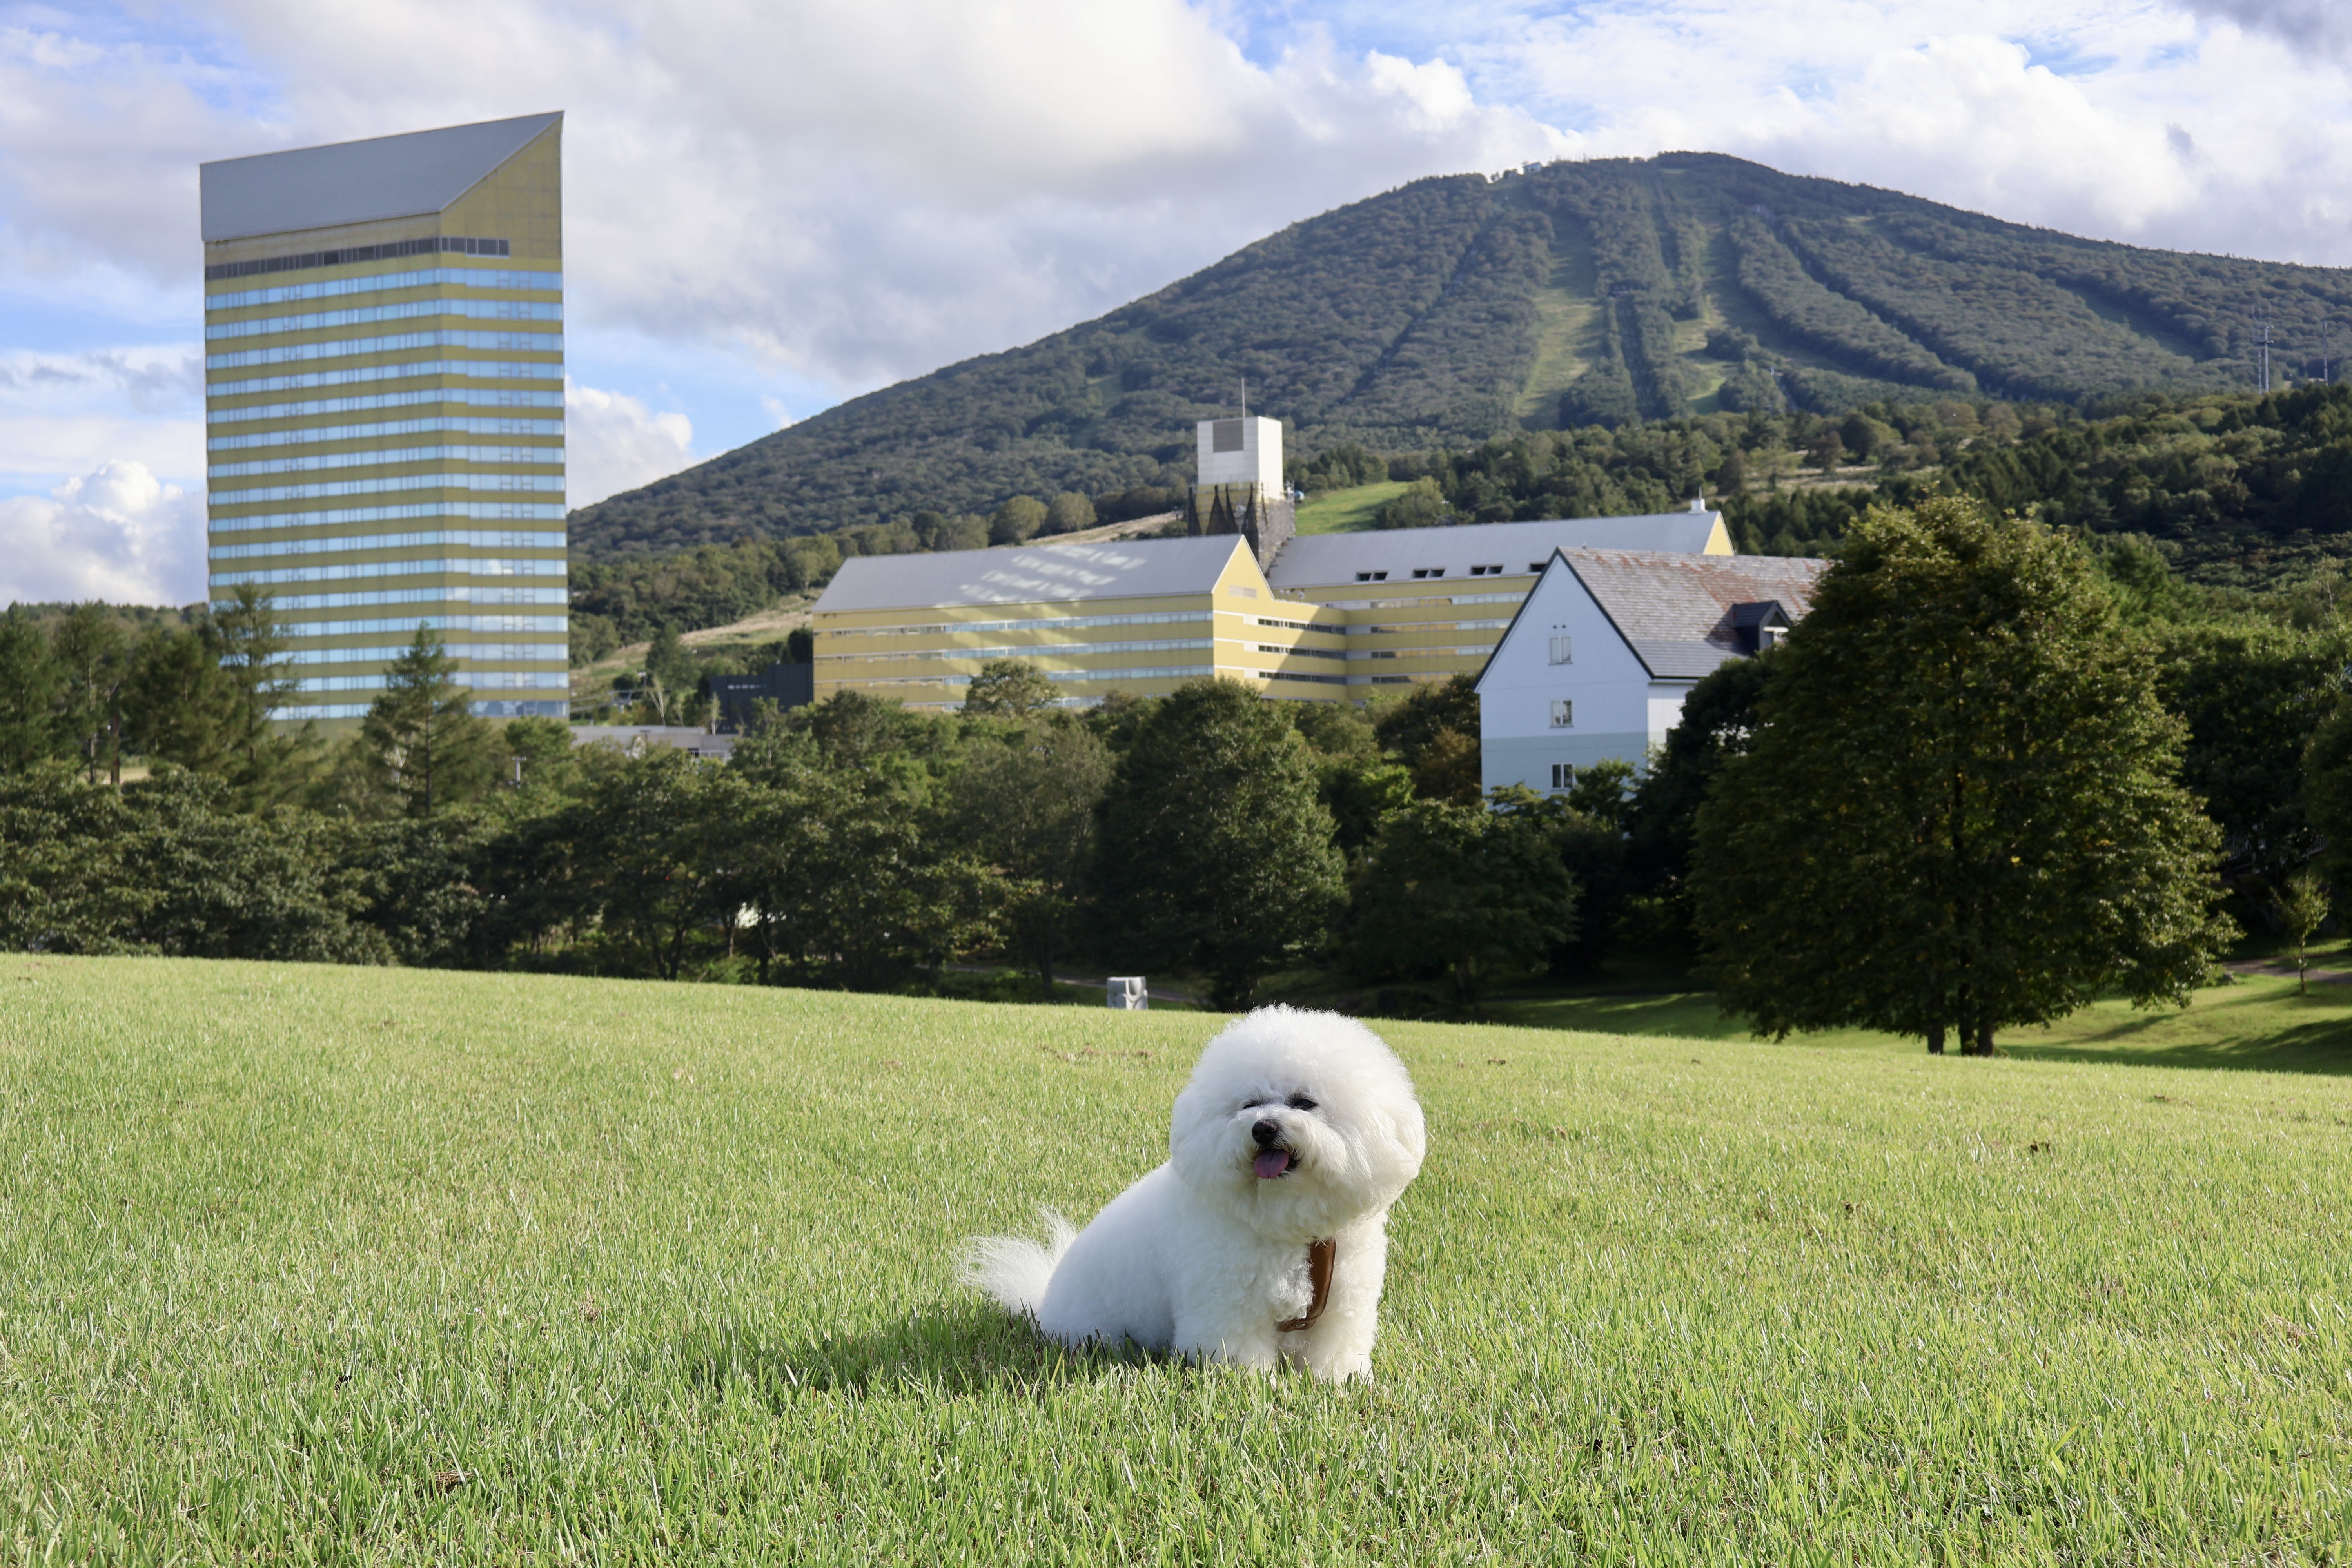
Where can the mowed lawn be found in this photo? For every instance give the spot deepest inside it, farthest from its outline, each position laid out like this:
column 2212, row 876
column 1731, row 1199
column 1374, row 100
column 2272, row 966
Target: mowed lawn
column 313, row 1264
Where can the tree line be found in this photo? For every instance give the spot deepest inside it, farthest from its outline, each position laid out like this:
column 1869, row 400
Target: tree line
column 2182, row 759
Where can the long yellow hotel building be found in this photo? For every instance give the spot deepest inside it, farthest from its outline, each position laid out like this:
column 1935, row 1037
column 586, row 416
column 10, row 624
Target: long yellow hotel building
column 1333, row 617
column 383, row 406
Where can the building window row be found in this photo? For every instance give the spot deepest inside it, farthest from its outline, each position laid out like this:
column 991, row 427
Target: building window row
column 1165, row 672
column 408, row 624
column 337, row 348
column 1035, row 622
column 238, row 496
column 456, row 568
column 455, row 424
column 481, row 370
column 502, row 653
column 377, row 282
column 353, row 255
column 1049, row 650
column 360, row 315
column 484, row 511
column 478, row 538
column 1300, row 674
column 451, row 593
column 1303, row 652
column 379, row 457
column 482, row 710
column 479, row 679
column 1409, row 627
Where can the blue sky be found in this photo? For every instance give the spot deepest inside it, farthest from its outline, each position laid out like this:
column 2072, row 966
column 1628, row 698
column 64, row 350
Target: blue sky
column 773, row 205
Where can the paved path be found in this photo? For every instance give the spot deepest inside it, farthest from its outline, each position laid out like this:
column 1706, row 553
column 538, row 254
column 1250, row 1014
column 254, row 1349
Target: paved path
column 1099, row 985
column 2281, row 969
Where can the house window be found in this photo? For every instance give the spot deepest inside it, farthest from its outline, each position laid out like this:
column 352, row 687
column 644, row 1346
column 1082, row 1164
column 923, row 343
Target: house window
column 1536, row 566
column 1563, row 776
column 1563, row 714
column 1485, row 571
column 1559, row 651
column 1372, row 576
column 1429, row 571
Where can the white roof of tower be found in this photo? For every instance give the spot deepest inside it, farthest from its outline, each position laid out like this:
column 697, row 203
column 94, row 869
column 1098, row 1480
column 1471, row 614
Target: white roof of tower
column 358, row 182
column 1319, row 560
column 1032, row 573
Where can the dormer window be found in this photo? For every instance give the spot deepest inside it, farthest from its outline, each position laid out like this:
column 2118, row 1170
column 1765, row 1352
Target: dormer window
column 1372, row 576
column 1758, row 624
column 1429, row 572
column 1485, row 571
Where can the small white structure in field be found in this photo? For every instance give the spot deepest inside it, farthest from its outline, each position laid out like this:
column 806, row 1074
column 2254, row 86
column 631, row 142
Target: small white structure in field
column 1598, row 660
column 1127, row 993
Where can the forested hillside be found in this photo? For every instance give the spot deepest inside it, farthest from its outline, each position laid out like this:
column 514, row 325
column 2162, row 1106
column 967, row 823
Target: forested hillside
column 1456, row 310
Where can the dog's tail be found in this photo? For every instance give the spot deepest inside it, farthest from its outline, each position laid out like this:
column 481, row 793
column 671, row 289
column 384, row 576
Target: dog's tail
column 1013, row 1269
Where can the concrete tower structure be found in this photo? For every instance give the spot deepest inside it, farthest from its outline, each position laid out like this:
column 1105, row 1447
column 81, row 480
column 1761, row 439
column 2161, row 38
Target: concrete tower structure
column 1240, row 488
column 384, row 367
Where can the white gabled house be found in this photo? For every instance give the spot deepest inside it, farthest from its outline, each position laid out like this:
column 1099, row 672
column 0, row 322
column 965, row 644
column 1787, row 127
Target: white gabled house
column 1598, row 660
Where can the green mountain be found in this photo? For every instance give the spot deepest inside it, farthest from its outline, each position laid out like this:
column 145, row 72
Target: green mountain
column 1456, row 308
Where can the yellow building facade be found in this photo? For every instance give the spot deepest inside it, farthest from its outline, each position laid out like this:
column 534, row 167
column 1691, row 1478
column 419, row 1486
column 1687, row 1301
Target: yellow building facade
column 1337, row 618
column 383, row 365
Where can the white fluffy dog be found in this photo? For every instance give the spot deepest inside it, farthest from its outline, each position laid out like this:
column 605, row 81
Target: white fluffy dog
column 1264, row 1237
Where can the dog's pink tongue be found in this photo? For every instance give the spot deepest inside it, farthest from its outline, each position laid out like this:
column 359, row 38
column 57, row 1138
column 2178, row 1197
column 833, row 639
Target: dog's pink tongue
column 1271, row 1163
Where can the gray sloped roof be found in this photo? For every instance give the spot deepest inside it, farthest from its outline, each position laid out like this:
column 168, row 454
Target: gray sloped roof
column 1675, row 611
column 1031, row 573
column 1318, row 560
column 358, row 182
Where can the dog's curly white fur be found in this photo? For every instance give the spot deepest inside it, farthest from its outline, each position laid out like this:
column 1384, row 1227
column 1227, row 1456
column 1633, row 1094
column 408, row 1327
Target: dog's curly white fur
column 1296, row 1127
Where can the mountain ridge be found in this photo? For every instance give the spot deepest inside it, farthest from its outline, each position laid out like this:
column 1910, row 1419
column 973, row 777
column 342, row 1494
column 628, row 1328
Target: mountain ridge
column 1457, row 308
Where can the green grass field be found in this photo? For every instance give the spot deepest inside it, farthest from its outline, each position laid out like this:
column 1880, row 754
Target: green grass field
column 308, row 1264
column 2255, row 1021
column 1348, row 510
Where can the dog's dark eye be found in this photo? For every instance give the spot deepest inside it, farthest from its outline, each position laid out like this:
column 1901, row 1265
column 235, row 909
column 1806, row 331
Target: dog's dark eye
column 1299, row 1102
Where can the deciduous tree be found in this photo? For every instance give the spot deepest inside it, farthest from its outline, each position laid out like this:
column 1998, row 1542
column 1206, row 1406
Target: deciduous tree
column 1961, row 810
column 1481, row 892
column 1213, row 852
column 1023, row 803
column 1007, row 689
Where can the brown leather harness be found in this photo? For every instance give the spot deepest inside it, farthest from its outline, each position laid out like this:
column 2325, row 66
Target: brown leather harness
column 1320, row 1254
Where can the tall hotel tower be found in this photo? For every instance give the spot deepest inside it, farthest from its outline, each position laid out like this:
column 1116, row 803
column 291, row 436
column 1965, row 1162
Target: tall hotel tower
column 383, row 368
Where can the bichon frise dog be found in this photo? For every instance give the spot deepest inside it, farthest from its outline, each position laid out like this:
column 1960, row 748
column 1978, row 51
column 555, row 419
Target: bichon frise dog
column 1264, row 1237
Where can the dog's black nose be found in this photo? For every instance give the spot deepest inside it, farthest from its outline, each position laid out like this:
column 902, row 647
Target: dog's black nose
column 1266, row 1132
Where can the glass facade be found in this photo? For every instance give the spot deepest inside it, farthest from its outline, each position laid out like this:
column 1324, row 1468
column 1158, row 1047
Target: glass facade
column 415, row 523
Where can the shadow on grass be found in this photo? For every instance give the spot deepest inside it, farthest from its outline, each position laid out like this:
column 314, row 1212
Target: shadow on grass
column 942, row 1352
column 2320, row 1048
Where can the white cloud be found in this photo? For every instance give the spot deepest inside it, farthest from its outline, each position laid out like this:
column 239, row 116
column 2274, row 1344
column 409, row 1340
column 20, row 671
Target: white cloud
column 116, row 533
column 832, row 194
column 612, row 443
column 69, row 413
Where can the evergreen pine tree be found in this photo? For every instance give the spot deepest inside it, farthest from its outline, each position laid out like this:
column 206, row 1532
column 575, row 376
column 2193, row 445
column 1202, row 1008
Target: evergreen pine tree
column 422, row 735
